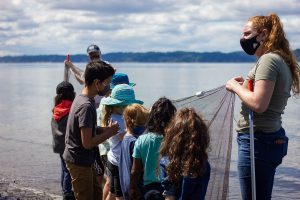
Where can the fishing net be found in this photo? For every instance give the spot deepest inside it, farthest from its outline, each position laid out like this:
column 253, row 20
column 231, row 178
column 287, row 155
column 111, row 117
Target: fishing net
column 216, row 106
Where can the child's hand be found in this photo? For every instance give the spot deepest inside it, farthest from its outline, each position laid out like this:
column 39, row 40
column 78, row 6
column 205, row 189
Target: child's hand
column 170, row 198
column 135, row 194
column 113, row 127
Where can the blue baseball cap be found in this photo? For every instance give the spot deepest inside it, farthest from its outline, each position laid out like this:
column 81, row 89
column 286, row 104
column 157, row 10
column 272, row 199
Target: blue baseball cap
column 121, row 95
column 120, row 78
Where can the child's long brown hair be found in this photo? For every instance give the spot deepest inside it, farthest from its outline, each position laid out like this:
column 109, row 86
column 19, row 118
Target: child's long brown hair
column 160, row 115
column 185, row 144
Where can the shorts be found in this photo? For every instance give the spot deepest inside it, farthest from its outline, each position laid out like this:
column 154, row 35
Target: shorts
column 115, row 186
column 98, row 165
column 104, row 162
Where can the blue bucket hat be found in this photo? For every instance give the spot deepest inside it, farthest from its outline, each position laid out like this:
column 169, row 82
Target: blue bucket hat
column 120, row 78
column 121, row 95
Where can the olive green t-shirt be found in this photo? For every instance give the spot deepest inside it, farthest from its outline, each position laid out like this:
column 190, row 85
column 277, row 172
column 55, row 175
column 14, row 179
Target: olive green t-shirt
column 271, row 67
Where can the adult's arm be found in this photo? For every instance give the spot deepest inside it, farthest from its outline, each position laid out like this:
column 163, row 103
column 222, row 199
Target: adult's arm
column 77, row 71
column 259, row 99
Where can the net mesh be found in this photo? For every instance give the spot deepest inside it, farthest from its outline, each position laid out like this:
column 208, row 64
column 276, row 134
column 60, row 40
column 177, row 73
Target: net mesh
column 216, row 106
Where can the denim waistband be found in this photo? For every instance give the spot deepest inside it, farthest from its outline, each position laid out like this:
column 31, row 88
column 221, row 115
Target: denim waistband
column 280, row 132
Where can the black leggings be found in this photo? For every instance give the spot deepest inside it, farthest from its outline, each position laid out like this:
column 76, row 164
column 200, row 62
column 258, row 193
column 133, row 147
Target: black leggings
column 115, row 186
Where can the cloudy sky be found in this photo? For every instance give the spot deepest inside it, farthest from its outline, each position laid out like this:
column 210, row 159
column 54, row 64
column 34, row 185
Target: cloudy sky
column 34, row 27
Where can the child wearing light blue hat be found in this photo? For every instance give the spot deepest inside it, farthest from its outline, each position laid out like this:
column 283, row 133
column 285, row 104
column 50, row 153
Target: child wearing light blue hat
column 118, row 78
column 121, row 96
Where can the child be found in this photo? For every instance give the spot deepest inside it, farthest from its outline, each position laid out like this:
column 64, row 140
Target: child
column 135, row 117
column 121, row 96
column 118, row 78
column 63, row 100
column 146, row 152
column 185, row 170
column 83, row 135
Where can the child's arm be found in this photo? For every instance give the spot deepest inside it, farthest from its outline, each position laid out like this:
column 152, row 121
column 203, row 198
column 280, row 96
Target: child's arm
column 88, row 142
column 136, row 173
column 170, row 188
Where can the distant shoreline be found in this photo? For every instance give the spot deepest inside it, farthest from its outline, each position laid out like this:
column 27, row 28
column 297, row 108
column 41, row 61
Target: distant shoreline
column 146, row 57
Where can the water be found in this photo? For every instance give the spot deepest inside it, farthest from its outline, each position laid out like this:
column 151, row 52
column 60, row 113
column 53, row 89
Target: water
column 26, row 100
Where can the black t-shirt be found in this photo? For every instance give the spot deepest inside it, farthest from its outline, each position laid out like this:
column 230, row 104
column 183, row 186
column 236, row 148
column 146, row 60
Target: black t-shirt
column 82, row 114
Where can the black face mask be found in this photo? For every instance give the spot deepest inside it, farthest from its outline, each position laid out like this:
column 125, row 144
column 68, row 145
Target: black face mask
column 104, row 91
column 249, row 45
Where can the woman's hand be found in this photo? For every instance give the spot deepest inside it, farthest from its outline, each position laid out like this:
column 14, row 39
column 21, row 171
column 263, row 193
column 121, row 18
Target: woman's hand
column 233, row 83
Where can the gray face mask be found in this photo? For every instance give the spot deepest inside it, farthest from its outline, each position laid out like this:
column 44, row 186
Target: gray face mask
column 104, row 91
column 249, row 45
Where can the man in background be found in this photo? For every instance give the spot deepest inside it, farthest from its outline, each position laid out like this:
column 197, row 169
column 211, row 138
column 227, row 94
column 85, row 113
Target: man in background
column 94, row 54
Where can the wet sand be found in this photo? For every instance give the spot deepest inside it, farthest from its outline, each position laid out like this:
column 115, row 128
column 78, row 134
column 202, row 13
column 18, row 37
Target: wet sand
column 12, row 191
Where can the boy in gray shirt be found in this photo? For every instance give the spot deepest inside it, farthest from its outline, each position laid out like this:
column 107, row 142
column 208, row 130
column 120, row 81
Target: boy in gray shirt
column 83, row 135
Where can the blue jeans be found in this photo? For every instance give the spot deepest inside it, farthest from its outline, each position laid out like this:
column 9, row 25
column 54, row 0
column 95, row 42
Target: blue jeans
column 65, row 179
column 270, row 148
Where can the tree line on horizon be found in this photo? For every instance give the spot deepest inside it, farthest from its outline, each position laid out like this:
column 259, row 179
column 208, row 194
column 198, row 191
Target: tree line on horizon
column 176, row 56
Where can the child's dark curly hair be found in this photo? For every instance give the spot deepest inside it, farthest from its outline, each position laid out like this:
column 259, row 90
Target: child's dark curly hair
column 185, row 144
column 160, row 115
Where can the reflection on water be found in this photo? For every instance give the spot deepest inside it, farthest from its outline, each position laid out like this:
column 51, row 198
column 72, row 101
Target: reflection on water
column 27, row 92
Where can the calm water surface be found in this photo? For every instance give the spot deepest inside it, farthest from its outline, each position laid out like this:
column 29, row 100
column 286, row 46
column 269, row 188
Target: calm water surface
column 26, row 100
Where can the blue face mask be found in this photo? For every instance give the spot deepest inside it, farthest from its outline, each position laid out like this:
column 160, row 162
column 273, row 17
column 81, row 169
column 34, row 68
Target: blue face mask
column 138, row 130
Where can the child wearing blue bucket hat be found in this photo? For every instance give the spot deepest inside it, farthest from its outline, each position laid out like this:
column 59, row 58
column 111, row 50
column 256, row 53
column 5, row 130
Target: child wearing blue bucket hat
column 118, row 78
column 121, row 96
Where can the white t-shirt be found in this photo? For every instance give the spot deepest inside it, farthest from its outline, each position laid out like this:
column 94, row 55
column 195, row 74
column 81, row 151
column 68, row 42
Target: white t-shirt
column 115, row 142
column 104, row 146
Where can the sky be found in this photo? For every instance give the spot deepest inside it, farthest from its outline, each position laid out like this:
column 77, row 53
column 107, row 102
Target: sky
column 46, row 27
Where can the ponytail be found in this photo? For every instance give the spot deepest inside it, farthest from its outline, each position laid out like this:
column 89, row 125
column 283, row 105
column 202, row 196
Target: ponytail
column 276, row 42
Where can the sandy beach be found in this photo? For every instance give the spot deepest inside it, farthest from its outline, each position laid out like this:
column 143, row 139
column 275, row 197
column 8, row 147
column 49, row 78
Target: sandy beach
column 12, row 191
